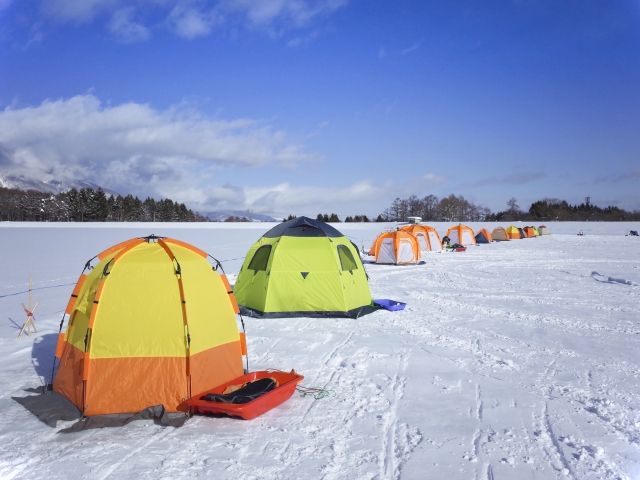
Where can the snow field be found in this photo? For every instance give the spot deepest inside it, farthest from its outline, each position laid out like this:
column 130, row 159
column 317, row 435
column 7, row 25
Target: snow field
column 512, row 360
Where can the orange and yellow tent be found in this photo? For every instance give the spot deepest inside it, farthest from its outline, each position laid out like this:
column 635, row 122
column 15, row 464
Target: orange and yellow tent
column 152, row 323
column 427, row 236
column 513, row 233
column 396, row 248
column 461, row 235
column 529, row 232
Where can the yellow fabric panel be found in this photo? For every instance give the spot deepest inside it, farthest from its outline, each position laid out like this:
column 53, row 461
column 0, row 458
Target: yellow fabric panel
column 140, row 312
column 212, row 321
column 77, row 328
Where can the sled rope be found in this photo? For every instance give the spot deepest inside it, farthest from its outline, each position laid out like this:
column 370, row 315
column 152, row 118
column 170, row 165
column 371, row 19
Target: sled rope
column 316, row 392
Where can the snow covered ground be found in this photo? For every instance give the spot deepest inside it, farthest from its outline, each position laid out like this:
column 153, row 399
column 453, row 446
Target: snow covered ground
column 512, row 360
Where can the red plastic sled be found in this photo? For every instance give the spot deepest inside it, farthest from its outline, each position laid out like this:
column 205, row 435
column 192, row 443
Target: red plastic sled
column 287, row 383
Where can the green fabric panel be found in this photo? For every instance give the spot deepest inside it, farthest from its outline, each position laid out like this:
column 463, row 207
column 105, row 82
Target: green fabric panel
column 354, row 284
column 289, row 292
column 250, row 289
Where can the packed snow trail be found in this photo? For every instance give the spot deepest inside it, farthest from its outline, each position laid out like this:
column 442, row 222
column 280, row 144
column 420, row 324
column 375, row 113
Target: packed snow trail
column 512, row 360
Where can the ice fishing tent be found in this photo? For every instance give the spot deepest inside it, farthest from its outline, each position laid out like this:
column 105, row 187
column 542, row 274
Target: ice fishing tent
column 303, row 267
column 535, row 231
column 427, row 237
column 499, row 234
column 483, row 236
column 543, row 230
column 461, row 234
column 528, row 231
column 397, row 248
column 151, row 324
column 513, row 233
column 522, row 234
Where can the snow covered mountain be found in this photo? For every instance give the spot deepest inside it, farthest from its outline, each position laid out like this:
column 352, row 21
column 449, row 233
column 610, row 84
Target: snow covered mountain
column 51, row 186
column 222, row 215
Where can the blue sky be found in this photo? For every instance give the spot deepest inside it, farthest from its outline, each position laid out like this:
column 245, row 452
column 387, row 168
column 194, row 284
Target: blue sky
column 307, row 106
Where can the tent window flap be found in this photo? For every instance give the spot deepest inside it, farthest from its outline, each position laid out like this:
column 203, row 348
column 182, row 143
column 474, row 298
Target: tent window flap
column 346, row 258
column 260, row 258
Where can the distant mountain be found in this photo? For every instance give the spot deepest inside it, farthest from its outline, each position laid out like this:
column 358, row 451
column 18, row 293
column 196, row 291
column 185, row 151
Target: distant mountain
column 222, row 215
column 52, row 186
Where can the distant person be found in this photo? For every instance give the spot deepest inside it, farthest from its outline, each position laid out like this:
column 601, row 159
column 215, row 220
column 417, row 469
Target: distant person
column 445, row 241
column 581, row 234
column 634, row 233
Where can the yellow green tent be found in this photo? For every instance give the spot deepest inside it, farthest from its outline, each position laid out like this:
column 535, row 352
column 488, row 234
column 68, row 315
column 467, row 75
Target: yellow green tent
column 303, row 267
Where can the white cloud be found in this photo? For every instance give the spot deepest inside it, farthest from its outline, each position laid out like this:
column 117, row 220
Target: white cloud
column 78, row 11
column 133, row 146
column 193, row 18
column 362, row 196
column 412, row 48
column 296, row 13
column 125, row 29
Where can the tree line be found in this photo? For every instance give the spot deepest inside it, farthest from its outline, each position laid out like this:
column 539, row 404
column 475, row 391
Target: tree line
column 433, row 209
column 458, row 209
column 553, row 209
column 88, row 205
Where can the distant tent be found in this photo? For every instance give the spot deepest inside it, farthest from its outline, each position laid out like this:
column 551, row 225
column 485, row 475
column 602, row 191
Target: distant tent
column 543, row 230
column 535, row 230
column 303, row 267
column 529, row 232
column 427, row 236
column 500, row 234
column 522, row 234
column 397, row 248
column 513, row 233
column 461, row 234
column 483, row 236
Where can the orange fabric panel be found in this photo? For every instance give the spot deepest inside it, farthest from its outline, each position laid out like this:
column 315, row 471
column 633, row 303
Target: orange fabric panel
column 68, row 380
column 60, row 345
column 243, row 343
column 215, row 366
column 106, row 252
column 126, row 385
column 226, row 283
column 131, row 244
column 96, row 302
column 166, row 248
column 74, row 294
column 232, row 297
column 86, row 366
column 187, row 246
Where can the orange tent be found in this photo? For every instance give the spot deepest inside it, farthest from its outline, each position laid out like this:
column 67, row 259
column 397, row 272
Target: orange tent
column 483, row 236
column 396, row 247
column 513, row 233
column 152, row 323
column 462, row 235
column 529, row 232
column 427, row 236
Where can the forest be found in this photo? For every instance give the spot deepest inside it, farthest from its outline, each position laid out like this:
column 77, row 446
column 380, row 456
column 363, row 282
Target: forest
column 87, row 205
